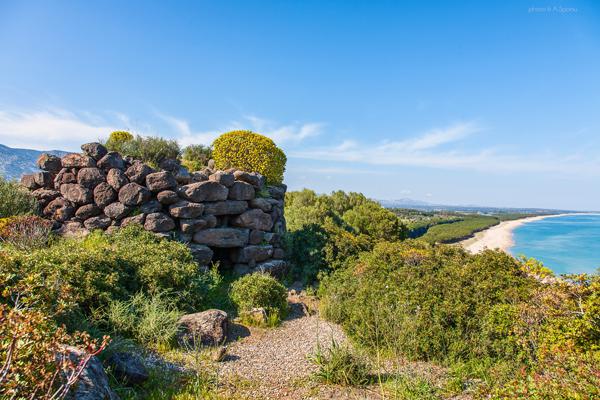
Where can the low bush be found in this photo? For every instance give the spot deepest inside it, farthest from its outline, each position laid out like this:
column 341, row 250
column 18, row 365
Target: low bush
column 195, row 157
column 15, row 200
column 149, row 319
column 440, row 298
column 151, row 150
column 30, row 345
column 117, row 140
column 328, row 232
column 251, row 152
column 25, row 232
column 339, row 365
column 80, row 275
column 260, row 290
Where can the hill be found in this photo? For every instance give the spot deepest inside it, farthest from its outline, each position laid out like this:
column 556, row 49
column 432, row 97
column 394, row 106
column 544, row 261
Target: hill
column 16, row 162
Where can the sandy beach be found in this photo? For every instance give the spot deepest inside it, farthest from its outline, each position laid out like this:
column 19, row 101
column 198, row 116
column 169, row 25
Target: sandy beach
column 499, row 236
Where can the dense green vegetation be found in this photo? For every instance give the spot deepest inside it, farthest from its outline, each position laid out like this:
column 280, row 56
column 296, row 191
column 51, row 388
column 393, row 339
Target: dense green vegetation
column 447, row 226
column 459, row 230
column 152, row 150
column 15, row 200
column 499, row 327
column 488, row 317
column 328, row 231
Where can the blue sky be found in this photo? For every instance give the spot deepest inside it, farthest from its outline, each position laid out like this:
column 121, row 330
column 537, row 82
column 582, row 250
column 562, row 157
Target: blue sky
column 465, row 103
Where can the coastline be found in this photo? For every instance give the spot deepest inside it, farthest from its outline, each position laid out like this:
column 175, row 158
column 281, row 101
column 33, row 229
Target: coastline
column 501, row 236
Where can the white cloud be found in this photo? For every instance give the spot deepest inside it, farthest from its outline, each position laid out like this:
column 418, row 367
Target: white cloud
column 282, row 134
column 184, row 134
column 431, row 150
column 51, row 129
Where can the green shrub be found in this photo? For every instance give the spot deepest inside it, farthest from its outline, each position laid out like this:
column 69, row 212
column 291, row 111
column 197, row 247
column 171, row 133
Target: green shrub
column 30, row 345
column 151, row 150
column 375, row 221
column 327, row 232
column 260, row 290
column 117, row 140
column 25, row 231
column 338, row 365
column 195, row 157
column 250, row 152
column 15, row 200
column 149, row 319
column 80, row 275
column 438, row 297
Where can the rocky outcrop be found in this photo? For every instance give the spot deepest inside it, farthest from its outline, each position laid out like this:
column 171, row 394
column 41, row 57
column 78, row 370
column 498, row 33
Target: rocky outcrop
column 217, row 213
column 128, row 367
column 208, row 328
column 93, row 381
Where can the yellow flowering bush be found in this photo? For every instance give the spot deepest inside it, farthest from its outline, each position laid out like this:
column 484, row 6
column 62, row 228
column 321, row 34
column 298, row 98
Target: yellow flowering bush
column 250, row 152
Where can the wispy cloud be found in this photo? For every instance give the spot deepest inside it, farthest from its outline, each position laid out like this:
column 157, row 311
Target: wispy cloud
column 292, row 133
column 184, row 133
column 433, row 149
column 51, row 129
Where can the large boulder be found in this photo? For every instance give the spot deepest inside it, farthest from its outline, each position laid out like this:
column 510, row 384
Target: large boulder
column 94, row 150
column 136, row 219
column 182, row 176
column 45, row 196
column 28, row 181
column 224, row 178
column 99, row 222
column 185, row 209
column 159, row 181
column 277, row 192
column 43, row 179
column 65, row 175
column 207, row 328
column 59, row 209
column 93, row 381
column 111, row 160
column 90, row 177
column 253, row 178
column 133, row 194
column 138, row 172
column 104, row 195
column 151, row 206
column 76, row 194
column 192, row 225
column 254, row 219
column 202, row 254
column 241, row 191
column 222, row 237
column 116, row 211
column 204, row 191
column 276, row 268
column 252, row 253
column 50, row 163
column 72, row 229
column 116, row 178
column 167, row 197
column 75, row 160
column 87, row 211
column 261, row 203
column 227, row 207
column 159, row 222
column 128, row 367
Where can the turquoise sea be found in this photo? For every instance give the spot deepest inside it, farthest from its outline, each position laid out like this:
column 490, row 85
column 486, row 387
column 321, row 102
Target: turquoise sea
column 567, row 245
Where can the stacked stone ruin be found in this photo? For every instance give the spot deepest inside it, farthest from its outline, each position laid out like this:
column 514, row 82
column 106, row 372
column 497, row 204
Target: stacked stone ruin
column 230, row 216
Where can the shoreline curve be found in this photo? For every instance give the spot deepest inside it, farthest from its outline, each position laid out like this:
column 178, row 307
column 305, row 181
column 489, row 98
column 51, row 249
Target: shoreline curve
column 501, row 236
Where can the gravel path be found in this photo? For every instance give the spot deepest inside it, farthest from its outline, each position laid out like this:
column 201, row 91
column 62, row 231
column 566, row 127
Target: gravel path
column 273, row 363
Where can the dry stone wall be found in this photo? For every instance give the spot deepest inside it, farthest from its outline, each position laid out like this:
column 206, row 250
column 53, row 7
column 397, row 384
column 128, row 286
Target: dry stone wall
column 227, row 216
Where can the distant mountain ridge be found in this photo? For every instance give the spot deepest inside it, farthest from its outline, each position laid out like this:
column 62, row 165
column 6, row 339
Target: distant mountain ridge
column 425, row 206
column 16, row 162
